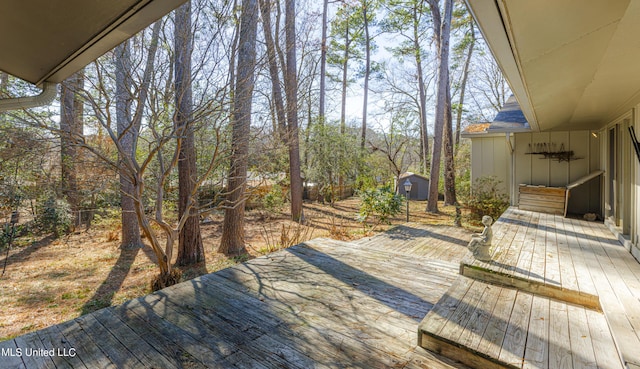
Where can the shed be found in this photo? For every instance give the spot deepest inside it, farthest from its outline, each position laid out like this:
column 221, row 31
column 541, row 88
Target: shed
column 419, row 186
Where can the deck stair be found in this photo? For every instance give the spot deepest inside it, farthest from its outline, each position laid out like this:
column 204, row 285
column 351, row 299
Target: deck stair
column 489, row 326
column 552, row 297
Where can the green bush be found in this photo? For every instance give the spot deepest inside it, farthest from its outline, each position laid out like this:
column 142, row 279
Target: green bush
column 487, row 198
column 381, row 202
column 274, row 199
column 54, row 216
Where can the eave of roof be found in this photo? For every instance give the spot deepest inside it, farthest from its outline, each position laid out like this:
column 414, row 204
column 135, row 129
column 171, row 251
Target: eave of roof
column 52, row 39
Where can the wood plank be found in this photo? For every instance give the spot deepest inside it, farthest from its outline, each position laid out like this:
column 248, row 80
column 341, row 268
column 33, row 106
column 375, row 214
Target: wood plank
column 580, row 338
column 112, row 348
column 542, row 190
column 537, row 346
column 531, row 199
column 513, row 347
column 523, row 265
column 551, row 257
column 462, row 355
column 29, row 342
column 511, row 257
column 613, row 291
column 464, row 313
column 203, row 323
column 583, row 275
column 11, row 357
column 475, row 329
column 524, row 284
column 568, row 276
column 546, row 204
column 146, row 353
column 437, row 317
column 147, row 315
column 538, row 257
column 494, row 335
column 543, row 208
column 348, row 343
column 52, row 340
column 559, row 338
column 604, row 346
column 69, row 349
column 86, row 349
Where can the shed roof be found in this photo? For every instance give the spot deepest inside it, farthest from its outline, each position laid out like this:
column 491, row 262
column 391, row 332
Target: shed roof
column 411, row 174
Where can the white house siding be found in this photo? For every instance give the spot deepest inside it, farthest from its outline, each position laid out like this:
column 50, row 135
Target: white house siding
column 490, row 157
column 537, row 170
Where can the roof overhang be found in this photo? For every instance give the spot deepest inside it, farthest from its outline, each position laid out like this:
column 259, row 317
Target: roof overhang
column 48, row 40
column 570, row 65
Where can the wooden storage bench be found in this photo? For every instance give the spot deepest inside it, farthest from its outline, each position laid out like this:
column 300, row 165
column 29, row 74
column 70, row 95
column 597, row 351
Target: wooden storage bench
column 543, row 199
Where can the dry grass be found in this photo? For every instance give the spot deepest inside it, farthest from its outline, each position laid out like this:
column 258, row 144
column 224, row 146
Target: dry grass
column 50, row 281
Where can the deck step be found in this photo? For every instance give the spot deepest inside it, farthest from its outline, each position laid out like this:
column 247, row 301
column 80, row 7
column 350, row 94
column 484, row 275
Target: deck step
column 489, row 326
column 488, row 272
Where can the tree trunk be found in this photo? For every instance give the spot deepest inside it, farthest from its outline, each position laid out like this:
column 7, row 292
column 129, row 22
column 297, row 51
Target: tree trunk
column 422, row 93
column 463, row 84
column 232, row 242
column 449, row 160
column 367, row 72
column 265, row 10
column 345, row 64
column 291, row 87
column 130, row 228
column 442, row 28
column 343, row 109
column 190, row 249
column 323, row 63
column 71, row 128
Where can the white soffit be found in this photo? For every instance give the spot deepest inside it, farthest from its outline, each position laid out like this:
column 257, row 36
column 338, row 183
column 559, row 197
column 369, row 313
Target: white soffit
column 576, row 62
column 48, row 40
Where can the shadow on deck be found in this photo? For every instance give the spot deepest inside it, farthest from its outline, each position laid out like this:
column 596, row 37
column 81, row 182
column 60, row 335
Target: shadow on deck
column 322, row 304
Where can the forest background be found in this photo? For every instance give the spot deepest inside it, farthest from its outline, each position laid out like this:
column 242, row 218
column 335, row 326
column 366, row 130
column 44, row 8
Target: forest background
column 224, row 106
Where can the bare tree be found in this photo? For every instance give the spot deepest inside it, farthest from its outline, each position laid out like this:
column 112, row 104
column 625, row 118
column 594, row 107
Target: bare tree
column 468, row 42
column 71, row 127
column 367, row 13
column 323, row 63
column 232, row 242
column 291, row 88
column 406, row 19
column 274, row 70
column 130, row 228
column 442, row 30
column 190, row 249
column 129, row 127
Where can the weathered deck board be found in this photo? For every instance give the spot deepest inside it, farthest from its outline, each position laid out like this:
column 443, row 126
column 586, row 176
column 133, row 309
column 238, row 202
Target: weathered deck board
column 10, row 357
column 322, row 305
column 537, row 346
column 549, row 260
column 540, row 258
column 332, row 304
column 523, row 331
column 559, row 347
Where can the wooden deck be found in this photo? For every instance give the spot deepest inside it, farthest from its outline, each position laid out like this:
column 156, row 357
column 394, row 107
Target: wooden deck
column 323, row 304
column 558, row 293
